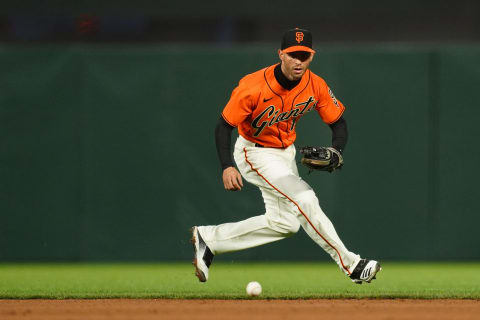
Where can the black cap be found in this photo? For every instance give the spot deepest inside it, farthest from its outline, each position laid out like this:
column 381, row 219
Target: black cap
column 297, row 40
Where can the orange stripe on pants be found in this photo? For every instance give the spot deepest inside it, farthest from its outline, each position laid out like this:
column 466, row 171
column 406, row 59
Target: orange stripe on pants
column 301, row 211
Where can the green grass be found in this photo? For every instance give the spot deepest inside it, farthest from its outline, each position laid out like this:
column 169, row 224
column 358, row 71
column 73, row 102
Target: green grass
column 228, row 281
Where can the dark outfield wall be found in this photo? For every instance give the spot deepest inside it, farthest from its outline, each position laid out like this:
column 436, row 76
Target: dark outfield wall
column 107, row 153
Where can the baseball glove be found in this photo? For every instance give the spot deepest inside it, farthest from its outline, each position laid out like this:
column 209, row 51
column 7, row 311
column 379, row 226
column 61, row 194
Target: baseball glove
column 321, row 158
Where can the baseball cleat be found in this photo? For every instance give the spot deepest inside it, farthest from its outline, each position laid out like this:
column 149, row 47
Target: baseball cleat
column 202, row 256
column 365, row 271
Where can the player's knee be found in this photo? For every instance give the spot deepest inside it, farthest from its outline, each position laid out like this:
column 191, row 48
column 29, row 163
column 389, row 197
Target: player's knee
column 291, row 229
column 306, row 199
column 294, row 227
column 288, row 225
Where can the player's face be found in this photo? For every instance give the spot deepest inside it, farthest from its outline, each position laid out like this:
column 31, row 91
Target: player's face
column 294, row 64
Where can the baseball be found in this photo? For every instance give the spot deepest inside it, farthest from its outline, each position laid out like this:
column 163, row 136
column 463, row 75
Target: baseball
column 254, row 289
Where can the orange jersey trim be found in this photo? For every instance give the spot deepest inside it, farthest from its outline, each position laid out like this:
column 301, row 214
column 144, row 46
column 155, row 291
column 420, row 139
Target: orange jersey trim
column 336, row 119
column 300, row 209
column 226, row 120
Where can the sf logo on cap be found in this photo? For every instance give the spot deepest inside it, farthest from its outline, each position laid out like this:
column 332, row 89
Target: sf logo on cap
column 299, row 36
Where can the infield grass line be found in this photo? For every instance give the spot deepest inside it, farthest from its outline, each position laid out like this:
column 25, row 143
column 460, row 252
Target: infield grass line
column 279, row 280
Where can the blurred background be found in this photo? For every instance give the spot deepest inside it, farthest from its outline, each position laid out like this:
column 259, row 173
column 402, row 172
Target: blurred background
column 108, row 109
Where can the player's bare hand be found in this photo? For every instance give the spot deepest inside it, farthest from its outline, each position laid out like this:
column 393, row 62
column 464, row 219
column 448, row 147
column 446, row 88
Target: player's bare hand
column 232, row 180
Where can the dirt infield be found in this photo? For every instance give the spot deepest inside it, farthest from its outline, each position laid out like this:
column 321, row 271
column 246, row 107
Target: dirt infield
column 238, row 309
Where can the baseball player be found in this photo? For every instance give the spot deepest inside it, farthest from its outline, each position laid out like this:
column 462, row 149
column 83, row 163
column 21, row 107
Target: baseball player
column 265, row 108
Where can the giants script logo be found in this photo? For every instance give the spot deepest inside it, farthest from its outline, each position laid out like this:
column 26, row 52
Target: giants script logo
column 299, row 36
column 270, row 116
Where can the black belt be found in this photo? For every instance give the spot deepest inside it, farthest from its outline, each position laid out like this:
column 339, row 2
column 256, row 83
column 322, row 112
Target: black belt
column 258, row 145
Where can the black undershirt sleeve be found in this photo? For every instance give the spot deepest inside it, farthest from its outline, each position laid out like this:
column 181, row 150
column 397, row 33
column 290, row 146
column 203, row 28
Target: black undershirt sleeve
column 223, row 136
column 339, row 134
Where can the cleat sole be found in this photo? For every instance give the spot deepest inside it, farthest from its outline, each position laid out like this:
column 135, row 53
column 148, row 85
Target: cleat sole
column 200, row 275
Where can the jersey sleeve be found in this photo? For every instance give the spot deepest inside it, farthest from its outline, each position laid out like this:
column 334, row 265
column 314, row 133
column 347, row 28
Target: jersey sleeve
column 328, row 107
column 240, row 105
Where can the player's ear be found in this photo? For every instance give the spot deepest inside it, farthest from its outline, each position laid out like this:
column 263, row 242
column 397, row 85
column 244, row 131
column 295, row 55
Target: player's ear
column 280, row 54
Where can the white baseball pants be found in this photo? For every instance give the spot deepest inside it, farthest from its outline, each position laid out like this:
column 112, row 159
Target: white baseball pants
column 289, row 203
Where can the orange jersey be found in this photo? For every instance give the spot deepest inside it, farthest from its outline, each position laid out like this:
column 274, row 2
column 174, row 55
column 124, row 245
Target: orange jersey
column 266, row 113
